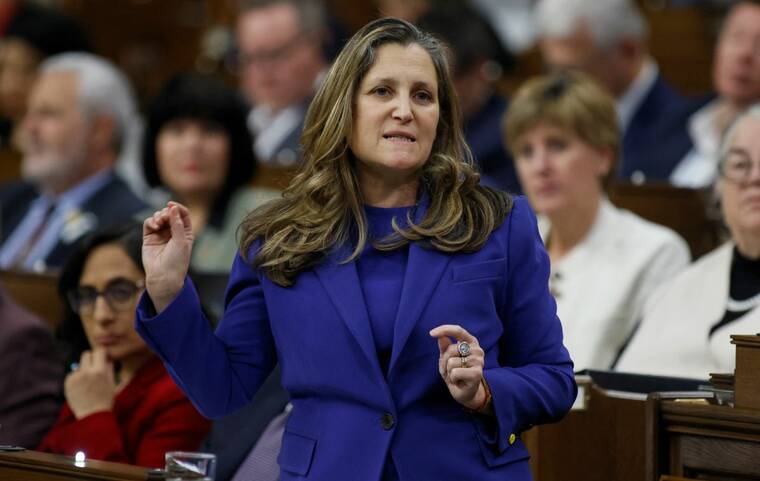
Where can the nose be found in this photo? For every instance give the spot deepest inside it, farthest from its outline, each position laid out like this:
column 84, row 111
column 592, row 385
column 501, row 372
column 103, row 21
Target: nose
column 754, row 174
column 402, row 109
column 102, row 312
column 540, row 162
column 191, row 137
column 28, row 123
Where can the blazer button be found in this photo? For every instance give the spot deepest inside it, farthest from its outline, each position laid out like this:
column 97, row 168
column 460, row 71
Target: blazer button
column 387, row 421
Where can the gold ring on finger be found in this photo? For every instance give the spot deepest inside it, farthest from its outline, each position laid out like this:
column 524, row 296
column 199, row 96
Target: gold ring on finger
column 464, row 361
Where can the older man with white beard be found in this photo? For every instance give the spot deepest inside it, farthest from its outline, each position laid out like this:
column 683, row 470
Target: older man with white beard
column 80, row 111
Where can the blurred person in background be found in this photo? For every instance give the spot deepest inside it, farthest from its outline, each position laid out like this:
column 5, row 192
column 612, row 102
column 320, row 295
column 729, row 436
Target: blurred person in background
column 687, row 326
column 32, row 34
column 31, row 375
column 605, row 262
column 197, row 147
column 608, row 40
column 736, row 77
column 80, row 111
column 478, row 60
column 281, row 61
column 409, row 10
column 121, row 405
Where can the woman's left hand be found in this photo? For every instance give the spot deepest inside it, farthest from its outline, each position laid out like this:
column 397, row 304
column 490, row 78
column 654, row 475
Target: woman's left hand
column 463, row 374
column 92, row 387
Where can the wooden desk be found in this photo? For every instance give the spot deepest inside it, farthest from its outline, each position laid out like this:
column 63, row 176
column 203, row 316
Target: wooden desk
column 683, row 210
column 702, row 441
column 603, row 441
column 36, row 466
column 37, row 293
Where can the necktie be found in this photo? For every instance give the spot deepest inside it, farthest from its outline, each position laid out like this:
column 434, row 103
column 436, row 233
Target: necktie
column 261, row 462
column 31, row 242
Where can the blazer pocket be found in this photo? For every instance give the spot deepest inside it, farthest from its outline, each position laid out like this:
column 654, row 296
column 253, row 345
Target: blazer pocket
column 296, row 453
column 481, row 270
column 516, row 452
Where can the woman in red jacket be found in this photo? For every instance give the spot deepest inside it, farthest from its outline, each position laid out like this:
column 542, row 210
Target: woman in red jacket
column 121, row 404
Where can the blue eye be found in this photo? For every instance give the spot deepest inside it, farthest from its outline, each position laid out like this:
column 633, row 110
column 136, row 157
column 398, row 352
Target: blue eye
column 381, row 91
column 424, row 96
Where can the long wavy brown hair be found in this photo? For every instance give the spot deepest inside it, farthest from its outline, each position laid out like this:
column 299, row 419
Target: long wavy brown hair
column 322, row 208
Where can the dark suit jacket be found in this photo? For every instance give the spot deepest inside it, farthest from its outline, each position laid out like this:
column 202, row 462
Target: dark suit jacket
column 31, row 376
column 485, row 138
column 288, row 153
column 657, row 137
column 112, row 204
column 347, row 415
column 233, row 436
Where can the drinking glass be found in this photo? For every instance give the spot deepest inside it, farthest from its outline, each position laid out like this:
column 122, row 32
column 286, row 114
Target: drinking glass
column 185, row 465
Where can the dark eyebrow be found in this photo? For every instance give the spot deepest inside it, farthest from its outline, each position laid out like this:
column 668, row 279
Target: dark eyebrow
column 393, row 82
column 737, row 150
column 424, row 84
column 384, row 80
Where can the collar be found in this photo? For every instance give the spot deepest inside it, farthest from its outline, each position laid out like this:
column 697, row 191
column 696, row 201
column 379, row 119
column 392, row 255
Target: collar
column 80, row 193
column 594, row 237
column 702, row 131
column 629, row 102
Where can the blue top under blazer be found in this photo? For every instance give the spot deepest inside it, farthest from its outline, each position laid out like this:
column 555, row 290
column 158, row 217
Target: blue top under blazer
column 348, row 417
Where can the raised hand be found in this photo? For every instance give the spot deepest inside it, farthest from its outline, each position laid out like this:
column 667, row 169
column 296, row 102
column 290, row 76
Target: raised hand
column 167, row 245
column 92, row 387
column 463, row 375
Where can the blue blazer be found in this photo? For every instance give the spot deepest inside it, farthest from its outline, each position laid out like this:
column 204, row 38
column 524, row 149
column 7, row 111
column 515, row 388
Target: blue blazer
column 347, row 416
column 657, row 137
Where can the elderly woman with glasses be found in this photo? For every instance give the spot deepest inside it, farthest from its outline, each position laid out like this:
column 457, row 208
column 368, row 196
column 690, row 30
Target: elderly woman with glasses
column 121, row 405
column 686, row 328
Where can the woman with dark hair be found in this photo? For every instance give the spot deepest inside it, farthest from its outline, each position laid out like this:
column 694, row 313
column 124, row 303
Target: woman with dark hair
column 121, row 405
column 198, row 147
column 407, row 305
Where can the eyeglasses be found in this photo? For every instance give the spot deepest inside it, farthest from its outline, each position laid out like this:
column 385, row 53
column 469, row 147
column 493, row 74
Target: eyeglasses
column 119, row 294
column 736, row 166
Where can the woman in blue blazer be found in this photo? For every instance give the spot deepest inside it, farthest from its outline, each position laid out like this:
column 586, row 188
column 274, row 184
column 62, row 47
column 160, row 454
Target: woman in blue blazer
column 407, row 305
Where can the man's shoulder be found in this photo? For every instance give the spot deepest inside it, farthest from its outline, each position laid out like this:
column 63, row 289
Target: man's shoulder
column 115, row 199
column 17, row 191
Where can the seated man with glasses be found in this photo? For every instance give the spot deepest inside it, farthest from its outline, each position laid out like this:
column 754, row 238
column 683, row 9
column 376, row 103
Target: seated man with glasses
column 281, row 60
column 686, row 327
column 121, row 404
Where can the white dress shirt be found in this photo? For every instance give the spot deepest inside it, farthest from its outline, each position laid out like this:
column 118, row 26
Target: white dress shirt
column 629, row 102
column 699, row 168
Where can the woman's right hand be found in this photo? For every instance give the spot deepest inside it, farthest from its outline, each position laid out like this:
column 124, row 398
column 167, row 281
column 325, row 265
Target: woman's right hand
column 167, row 245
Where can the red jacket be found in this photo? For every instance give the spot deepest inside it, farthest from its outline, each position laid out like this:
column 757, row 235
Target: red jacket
column 150, row 416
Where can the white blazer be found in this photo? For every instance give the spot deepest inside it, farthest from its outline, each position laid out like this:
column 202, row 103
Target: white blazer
column 602, row 284
column 673, row 337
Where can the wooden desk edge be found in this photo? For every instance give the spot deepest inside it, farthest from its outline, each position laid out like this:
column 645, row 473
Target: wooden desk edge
column 35, row 461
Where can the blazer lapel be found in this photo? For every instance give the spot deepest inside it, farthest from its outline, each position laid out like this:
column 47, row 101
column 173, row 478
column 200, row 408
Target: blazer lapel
column 341, row 281
column 423, row 272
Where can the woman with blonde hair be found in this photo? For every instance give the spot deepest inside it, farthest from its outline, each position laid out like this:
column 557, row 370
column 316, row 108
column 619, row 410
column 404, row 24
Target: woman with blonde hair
column 407, row 305
column 563, row 133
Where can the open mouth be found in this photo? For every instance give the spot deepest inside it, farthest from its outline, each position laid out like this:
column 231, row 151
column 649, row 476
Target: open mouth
column 399, row 137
